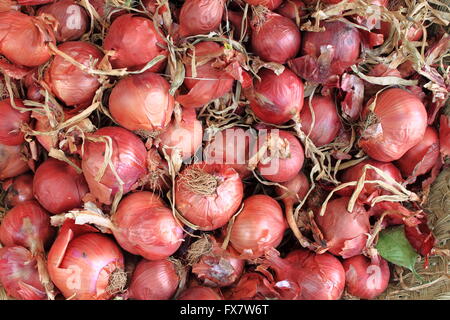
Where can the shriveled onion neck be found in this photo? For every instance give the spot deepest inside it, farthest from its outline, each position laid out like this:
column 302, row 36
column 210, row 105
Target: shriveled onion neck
column 200, row 182
column 117, row 281
column 198, row 249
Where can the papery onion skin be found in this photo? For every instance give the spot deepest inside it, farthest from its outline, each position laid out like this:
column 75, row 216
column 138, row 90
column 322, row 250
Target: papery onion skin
column 158, row 178
column 145, row 226
column 184, row 135
column 252, row 286
column 297, row 188
column 20, row 190
column 17, row 32
column 269, row 4
column 259, row 227
column 345, row 233
column 326, row 120
column 68, row 82
column 401, row 120
column 128, row 159
column 135, row 42
column 200, row 16
column 291, row 9
column 423, row 155
column 211, row 208
column 58, row 187
column 12, row 162
column 154, row 280
column 27, row 225
column 19, row 274
column 276, row 99
column 281, row 169
column 199, row 293
column 365, row 279
column 72, row 19
column 11, row 121
column 142, row 102
column 275, row 38
column 81, row 262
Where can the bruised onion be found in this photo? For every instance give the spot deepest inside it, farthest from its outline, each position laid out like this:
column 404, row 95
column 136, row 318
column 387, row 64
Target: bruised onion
column 58, row 186
column 208, row 195
column 128, row 159
column 269, row 4
column 259, row 227
column 84, row 264
column 200, row 16
column 135, row 42
column 72, row 19
column 326, row 120
column 11, row 121
column 20, row 190
column 364, row 278
column 68, row 82
column 423, row 156
column 142, row 102
column 344, row 232
column 274, row 38
column 19, row 274
column 154, row 280
column 276, row 99
column 199, row 293
column 396, row 124
column 12, row 162
column 23, row 39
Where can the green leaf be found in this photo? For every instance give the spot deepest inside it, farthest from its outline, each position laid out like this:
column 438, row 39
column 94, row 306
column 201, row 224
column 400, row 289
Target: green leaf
column 394, row 247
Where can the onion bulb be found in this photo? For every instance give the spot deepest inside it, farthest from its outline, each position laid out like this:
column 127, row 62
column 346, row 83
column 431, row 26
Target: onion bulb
column 11, row 121
column 292, row 9
column 12, row 162
column 20, row 190
column 200, row 16
column 269, row 4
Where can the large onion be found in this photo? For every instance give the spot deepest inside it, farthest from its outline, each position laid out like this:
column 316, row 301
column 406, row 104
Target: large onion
column 142, row 102
column 200, row 16
column 11, row 121
column 397, row 123
column 12, row 162
column 208, row 195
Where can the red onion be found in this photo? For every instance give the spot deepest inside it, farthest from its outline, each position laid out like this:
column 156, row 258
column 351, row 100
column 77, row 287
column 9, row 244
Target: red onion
column 12, row 162
column 344, row 232
column 423, row 156
column 292, row 9
column 259, row 227
column 68, row 82
column 397, row 124
column 274, row 38
column 27, row 225
column 84, row 264
column 284, row 157
column 269, row 4
column 276, row 99
column 128, row 160
column 184, row 135
column 20, row 190
column 58, row 187
column 158, row 178
column 200, row 16
column 200, row 293
column 11, row 121
column 364, row 278
column 19, row 274
column 252, row 286
column 135, row 42
column 142, row 102
column 326, row 120
column 72, row 19
column 154, row 280
column 208, row 195
column 24, row 39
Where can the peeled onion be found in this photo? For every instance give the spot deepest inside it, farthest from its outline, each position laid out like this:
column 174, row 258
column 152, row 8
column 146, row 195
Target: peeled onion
column 200, row 16
column 11, row 121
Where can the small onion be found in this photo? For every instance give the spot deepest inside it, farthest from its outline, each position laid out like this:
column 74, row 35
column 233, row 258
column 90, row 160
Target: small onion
column 252, row 286
column 208, row 195
column 276, row 99
column 58, row 187
column 135, row 42
column 84, row 264
column 128, row 159
column 200, row 293
column 269, row 4
column 292, row 9
column 274, row 38
column 397, row 123
column 344, row 232
column 259, row 227
column 422, row 157
column 326, row 120
column 364, row 278
column 154, row 280
column 68, row 82
column 12, row 162
column 200, row 16
column 19, row 274
column 72, row 19
column 20, row 190
column 142, row 102
column 11, row 121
